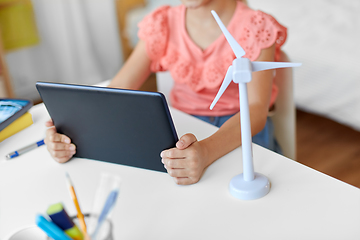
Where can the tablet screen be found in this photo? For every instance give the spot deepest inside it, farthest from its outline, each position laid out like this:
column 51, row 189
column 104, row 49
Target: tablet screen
column 9, row 107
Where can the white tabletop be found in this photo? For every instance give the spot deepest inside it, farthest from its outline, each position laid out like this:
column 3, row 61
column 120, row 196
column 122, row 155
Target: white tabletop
column 302, row 203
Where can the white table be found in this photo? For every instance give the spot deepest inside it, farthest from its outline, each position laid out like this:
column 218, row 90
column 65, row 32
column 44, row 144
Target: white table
column 302, row 203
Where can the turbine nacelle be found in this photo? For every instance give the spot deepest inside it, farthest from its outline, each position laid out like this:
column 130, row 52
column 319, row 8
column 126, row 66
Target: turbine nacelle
column 242, row 70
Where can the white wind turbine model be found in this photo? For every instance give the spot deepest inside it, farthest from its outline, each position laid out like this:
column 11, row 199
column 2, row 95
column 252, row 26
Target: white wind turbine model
column 248, row 185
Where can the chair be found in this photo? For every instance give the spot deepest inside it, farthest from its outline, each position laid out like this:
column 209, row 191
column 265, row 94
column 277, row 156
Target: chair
column 283, row 116
column 122, row 9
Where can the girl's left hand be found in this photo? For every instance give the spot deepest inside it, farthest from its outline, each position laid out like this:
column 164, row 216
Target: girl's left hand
column 187, row 162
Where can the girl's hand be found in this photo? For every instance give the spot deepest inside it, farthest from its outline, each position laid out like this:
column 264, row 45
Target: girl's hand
column 187, row 162
column 59, row 145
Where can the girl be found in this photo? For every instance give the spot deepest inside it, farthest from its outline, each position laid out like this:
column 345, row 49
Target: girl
column 187, row 41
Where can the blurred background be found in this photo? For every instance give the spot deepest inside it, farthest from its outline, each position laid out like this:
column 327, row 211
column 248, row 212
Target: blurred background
column 74, row 41
column 87, row 41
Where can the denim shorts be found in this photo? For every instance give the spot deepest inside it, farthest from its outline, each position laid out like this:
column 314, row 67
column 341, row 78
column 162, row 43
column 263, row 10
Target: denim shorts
column 264, row 138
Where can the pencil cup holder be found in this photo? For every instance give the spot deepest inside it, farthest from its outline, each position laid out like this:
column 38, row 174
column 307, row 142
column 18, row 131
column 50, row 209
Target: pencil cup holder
column 105, row 231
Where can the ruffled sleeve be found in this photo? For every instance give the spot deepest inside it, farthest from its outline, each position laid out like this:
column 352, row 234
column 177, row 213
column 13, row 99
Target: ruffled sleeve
column 259, row 32
column 154, row 31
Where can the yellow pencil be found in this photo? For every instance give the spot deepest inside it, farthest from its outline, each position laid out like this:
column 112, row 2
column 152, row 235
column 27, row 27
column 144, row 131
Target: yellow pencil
column 80, row 216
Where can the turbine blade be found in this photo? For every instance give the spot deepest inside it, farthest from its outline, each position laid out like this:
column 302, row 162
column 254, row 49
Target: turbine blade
column 235, row 46
column 224, row 85
column 260, row 66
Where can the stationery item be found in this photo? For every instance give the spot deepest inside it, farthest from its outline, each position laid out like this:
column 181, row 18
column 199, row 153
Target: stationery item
column 109, row 204
column 80, row 216
column 113, row 125
column 11, row 109
column 59, row 216
column 19, row 124
column 50, row 228
column 105, row 200
column 25, row 149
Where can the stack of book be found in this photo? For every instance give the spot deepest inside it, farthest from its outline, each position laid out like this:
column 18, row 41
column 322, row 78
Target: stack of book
column 14, row 116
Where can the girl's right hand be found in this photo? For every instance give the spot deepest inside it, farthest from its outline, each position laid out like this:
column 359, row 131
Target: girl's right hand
column 59, row 145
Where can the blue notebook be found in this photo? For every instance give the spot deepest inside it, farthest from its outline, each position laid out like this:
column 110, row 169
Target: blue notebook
column 12, row 109
column 113, row 125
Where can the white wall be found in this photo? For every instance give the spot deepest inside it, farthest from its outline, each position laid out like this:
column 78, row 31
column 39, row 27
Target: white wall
column 79, row 44
column 324, row 35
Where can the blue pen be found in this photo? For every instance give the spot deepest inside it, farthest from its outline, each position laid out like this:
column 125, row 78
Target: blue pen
column 109, row 204
column 25, row 149
column 50, row 228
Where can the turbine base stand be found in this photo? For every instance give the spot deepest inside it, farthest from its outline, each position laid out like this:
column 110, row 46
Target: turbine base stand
column 249, row 190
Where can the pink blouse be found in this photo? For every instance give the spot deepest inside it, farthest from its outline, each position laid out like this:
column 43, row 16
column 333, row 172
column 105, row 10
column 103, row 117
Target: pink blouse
column 199, row 73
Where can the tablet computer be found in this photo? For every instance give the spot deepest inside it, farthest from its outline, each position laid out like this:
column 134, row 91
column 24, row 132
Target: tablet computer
column 113, row 125
column 12, row 109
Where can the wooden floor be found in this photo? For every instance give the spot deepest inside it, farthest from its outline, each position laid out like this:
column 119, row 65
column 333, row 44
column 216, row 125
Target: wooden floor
column 328, row 147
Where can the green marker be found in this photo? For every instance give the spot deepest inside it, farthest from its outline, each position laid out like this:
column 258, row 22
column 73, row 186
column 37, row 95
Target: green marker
column 60, row 217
